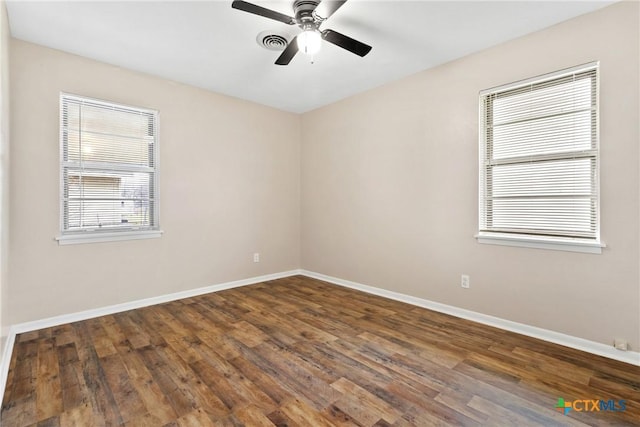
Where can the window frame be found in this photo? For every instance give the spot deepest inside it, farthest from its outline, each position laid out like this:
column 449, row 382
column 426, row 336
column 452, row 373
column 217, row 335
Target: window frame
column 538, row 241
column 97, row 235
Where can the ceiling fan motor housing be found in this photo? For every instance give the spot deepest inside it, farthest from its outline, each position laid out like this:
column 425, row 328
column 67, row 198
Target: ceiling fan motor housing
column 304, row 10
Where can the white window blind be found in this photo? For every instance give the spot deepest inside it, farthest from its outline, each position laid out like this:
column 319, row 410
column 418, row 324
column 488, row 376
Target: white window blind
column 108, row 167
column 539, row 157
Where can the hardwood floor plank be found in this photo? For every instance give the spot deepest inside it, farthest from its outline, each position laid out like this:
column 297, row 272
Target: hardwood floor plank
column 50, row 422
column 436, row 417
column 154, row 399
column 270, row 385
column 368, row 374
column 337, row 417
column 318, row 393
column 63, row 335
column 246, row 391
column 102, row 344
column 373, row 404
column 185, row 347
column 71, row 377
column 81, row 416
column 218, row 322
column 499, row 414
column 189, row 382
column 230, row 394
column 145, row 420
column 252, row 415
column 28, row 336
column 275, row 303
column 124, row 332
column 334, row 327
column 303, row 414
column 20, row 412
column 48, row 387
column 196, row 418
column 458, row 401
column 181, row 401
column 278, row 418
column 248, row 334
column 21, row 381
column 127, row 398
column 100, row 397
column 336, row 357
column 300, row 352
column 552, row 366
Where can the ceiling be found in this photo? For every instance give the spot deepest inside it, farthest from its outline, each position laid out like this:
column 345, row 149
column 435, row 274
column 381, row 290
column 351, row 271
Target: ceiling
column 210, row 45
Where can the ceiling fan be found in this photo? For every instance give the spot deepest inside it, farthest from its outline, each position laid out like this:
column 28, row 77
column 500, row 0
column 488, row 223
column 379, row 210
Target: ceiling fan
column 309, row 15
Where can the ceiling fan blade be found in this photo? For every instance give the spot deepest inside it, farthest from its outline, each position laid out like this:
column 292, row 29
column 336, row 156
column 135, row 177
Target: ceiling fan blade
column 288, row 53
column 262, row 11
column 326, row 8
column 346, row 42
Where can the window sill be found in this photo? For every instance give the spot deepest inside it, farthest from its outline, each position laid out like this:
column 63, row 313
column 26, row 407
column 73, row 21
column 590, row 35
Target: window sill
column 99, row 237
column 537, row 242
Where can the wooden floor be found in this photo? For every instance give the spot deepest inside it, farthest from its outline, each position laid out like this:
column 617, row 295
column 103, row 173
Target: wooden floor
column 298, row 351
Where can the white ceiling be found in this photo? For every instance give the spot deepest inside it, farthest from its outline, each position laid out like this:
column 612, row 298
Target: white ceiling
column 210, row 45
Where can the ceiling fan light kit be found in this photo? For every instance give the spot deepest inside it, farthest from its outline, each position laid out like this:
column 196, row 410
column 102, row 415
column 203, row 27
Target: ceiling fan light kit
column 309, row 41
column 309, row 15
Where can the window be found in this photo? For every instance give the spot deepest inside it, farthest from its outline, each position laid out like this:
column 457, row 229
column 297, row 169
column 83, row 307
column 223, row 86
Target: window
column 108, row 171
column 539, row 162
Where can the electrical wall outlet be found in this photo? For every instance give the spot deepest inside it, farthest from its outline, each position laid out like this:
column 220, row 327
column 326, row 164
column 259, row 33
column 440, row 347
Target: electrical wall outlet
column 621, row 344
column 256, row 257
column 464, row 281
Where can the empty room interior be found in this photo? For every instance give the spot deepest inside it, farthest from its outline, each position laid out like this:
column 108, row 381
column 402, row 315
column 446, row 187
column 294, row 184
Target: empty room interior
column 319, row 213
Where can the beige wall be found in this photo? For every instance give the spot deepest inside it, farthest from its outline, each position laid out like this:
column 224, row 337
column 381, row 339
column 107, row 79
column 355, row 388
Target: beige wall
column 4, row 174
column 390, row 187
column 229, row 187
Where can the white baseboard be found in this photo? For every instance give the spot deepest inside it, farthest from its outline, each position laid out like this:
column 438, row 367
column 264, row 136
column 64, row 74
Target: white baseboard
column 5, row 362
column 117, row 308
column 593, row 347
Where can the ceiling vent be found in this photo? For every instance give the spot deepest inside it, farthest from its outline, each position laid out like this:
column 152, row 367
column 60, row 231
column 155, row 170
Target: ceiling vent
column 272, row 41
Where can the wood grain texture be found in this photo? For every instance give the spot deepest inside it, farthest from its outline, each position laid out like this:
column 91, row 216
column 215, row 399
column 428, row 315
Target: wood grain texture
column 300, row 352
